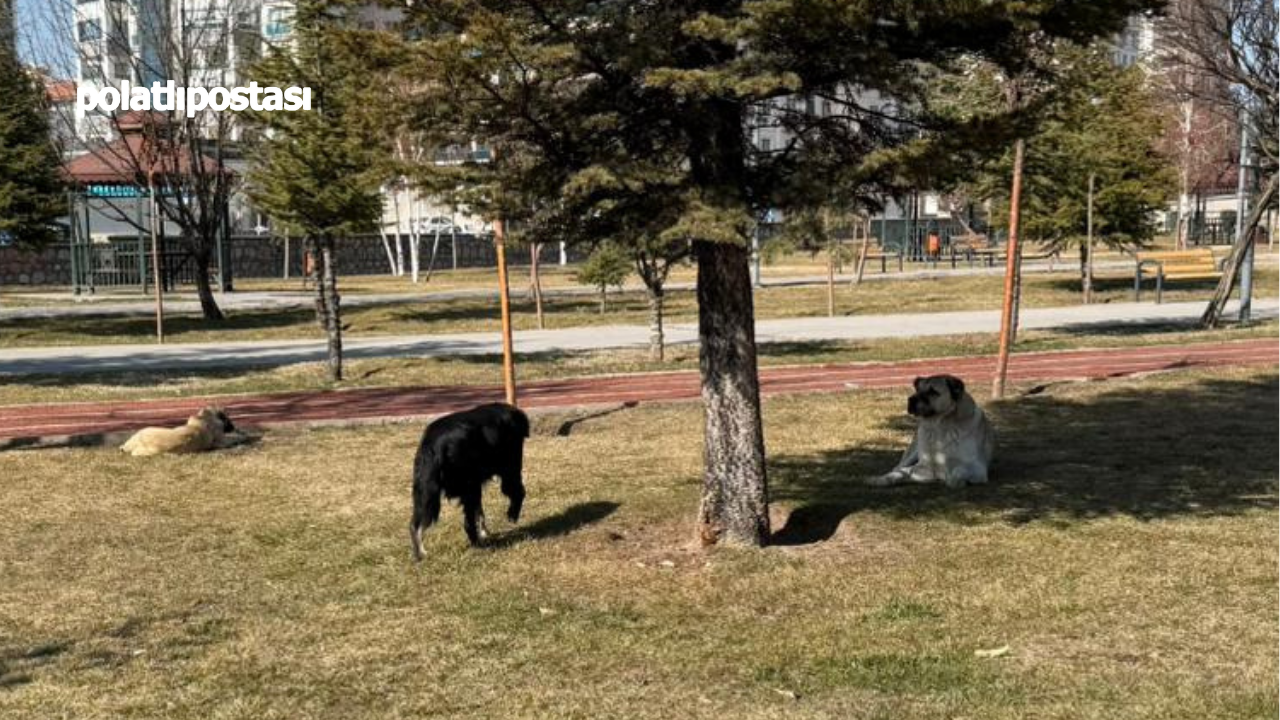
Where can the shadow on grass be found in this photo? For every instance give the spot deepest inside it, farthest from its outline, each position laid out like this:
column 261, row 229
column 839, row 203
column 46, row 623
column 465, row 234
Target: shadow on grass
column 570, row 520
column 17, row 664
column 1147, row 453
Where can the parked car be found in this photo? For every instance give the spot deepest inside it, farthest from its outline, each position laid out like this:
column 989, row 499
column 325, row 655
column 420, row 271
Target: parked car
column 441, row 224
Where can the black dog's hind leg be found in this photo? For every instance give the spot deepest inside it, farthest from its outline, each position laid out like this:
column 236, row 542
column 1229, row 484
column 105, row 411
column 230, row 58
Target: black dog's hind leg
column 513, row 488
column 426, row 508
column 473, row 518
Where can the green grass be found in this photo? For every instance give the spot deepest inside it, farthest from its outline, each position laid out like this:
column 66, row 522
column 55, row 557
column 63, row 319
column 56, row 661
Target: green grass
column 477, row 315
column 1129, row 565
column 485, row 369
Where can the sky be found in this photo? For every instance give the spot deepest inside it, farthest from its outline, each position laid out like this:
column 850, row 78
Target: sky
column 37, row 38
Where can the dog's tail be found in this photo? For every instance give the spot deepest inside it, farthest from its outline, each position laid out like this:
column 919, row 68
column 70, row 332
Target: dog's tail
column 426, row 496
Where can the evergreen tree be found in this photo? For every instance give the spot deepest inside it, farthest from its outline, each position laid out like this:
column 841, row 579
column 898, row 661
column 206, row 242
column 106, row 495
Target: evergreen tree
column 31, row 192
column 607, row 266
column 315, row 172
column 1097, row 120
column 612, row 108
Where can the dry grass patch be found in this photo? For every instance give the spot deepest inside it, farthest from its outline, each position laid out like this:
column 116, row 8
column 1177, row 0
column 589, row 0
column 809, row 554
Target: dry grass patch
column 1129, row 564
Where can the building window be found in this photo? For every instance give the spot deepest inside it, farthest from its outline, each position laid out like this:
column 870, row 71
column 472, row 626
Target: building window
column 279, row 22
column 766, row 144
column 90, row 30
column 91, row 72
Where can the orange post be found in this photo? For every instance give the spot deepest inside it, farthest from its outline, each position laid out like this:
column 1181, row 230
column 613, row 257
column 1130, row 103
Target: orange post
column 504, row 295
column 1010, row 273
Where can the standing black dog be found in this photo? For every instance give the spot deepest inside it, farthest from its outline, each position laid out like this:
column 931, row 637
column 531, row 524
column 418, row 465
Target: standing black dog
column 459, row 453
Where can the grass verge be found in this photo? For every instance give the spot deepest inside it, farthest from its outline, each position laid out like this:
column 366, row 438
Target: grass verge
column 1129, row 566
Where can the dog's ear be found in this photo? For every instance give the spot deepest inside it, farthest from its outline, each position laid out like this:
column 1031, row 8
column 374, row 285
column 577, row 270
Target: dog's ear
column 917, row 383
column 956, row 386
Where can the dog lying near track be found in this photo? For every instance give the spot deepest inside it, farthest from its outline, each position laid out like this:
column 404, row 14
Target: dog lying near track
column 458, row 454
column 206, row 430
column 954, row 441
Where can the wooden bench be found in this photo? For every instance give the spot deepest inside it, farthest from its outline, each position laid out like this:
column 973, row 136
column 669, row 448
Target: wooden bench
column 1195, row 264
column 876, row 251
column 970, row 246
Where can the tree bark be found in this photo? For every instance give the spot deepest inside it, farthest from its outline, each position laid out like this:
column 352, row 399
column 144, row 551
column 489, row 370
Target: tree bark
column 535, row 281
column 1231, row 267
column 204, row 289
column 831, row 282
column 735, row 502
column 333, row 316
column 657, row 340
column 314, row 269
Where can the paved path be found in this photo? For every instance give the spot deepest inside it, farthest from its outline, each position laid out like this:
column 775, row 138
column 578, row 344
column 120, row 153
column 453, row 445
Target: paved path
column 95, row 423
column 119, row 304
column 191, row 357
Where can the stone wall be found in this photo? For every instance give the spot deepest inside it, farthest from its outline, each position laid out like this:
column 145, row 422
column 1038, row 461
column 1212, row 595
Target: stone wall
column 48, row 266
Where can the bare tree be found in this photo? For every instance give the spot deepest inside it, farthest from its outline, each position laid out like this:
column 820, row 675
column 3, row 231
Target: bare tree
column 192, row 46
column 1228, row 50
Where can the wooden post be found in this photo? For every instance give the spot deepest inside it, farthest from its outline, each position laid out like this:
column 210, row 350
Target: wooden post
column 504, row 295
column 1011, row 271
column 155, row 256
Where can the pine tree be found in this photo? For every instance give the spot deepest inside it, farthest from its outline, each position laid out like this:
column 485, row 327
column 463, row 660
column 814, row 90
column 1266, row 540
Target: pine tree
column 607, row 266
column 613, row 109
column 315, row 172
column 31, row 192
column 1097, row 120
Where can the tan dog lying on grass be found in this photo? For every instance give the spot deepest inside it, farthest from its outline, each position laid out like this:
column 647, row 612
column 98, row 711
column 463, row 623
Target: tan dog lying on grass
column 954, row 440
column 206, row 430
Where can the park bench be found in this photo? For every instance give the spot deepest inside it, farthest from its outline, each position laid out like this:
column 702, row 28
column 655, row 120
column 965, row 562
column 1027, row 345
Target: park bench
column 973, row 247
column 875, row 250
column 1195, row 264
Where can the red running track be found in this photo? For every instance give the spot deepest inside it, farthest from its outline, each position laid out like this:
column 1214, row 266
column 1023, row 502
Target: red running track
column 58, row 423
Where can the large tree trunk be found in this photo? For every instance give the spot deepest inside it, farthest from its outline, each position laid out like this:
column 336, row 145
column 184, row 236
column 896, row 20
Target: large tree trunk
column 204, row 289
column 333, row 316
column 1231, row 267
column 735, row 498
column 657, row 340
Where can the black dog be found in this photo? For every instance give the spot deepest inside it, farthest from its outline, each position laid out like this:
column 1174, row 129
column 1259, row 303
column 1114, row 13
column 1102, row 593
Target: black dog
column 459, row 453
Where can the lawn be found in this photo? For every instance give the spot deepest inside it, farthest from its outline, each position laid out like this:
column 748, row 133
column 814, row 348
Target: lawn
column 485, row 369
column 481, row 314
column 1128, row 565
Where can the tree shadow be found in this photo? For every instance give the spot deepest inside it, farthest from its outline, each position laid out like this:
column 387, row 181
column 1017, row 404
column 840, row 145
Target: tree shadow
column 18, row 664
column 567, row 521
column 1142, row 452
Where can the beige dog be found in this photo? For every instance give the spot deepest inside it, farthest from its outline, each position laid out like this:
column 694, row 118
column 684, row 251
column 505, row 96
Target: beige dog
column 954, row 440
column 206, row 430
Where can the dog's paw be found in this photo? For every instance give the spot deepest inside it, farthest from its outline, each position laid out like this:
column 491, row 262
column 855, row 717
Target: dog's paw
column 883, row 480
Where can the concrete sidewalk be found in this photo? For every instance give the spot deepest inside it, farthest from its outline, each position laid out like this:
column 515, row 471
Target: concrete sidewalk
column 115, row 304
column 191, row 357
